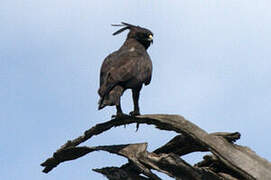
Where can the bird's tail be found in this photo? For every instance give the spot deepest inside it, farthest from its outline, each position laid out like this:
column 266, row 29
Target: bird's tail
column 112, row 98
column 101, row 104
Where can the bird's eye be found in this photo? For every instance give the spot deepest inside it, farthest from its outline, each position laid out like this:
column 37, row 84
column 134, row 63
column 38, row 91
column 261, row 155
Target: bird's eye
column 150, row 37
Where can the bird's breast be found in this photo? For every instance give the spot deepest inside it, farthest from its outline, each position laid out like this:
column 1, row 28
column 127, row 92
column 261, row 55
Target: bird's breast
column 132, row 49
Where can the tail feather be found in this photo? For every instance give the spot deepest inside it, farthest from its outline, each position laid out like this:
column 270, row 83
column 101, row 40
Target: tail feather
column 112, row 98
column 101, row 105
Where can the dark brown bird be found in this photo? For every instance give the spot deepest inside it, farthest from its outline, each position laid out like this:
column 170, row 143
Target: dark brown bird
column 127, row 68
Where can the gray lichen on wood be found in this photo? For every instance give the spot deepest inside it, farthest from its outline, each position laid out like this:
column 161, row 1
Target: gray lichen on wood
column 227, row 161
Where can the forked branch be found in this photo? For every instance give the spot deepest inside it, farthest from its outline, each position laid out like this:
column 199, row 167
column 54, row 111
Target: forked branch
column 231, row 160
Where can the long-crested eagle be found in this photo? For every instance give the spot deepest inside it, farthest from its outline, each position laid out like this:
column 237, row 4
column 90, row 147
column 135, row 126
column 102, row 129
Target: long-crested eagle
column 127, row 68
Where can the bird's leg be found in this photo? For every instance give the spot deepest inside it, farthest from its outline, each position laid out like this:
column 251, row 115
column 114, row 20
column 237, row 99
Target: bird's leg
column 119, row 112
column 118, row 91
column 136, row 93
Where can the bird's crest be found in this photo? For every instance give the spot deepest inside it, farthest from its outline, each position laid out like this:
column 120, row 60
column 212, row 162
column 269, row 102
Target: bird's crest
column 126, row 26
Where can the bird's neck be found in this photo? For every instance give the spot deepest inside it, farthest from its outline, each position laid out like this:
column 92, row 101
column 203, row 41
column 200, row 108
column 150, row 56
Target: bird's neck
column 131, row 42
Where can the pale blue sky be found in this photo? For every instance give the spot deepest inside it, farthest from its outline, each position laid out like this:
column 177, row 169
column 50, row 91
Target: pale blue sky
column 211, row 62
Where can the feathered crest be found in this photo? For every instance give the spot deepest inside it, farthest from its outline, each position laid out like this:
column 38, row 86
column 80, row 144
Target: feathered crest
column 126, row 26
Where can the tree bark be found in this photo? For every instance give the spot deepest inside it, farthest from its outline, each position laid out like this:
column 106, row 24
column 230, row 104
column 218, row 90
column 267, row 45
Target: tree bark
column 227, row 161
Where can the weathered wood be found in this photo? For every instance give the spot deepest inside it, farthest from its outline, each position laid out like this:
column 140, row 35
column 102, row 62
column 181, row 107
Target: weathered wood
column 249, row 166
column 231, row 160
column 141, row 160
column 182, row 145
column 214, row 164
column 120, row 173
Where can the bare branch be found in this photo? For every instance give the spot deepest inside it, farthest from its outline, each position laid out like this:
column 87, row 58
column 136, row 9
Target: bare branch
column 182, row 145
column 125, row 172
column 241, row 161
column 142, row 161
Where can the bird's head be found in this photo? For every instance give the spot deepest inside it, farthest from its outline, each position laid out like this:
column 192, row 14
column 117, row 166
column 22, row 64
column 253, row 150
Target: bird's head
column 142, row 35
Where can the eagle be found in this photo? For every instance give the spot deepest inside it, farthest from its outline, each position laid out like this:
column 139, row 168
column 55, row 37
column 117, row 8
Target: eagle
column 127, row 68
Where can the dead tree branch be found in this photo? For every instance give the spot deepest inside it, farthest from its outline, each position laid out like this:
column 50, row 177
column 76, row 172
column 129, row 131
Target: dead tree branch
column 229, row 161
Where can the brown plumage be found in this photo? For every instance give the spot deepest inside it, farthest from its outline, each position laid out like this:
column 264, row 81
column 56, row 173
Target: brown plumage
column 127, row 68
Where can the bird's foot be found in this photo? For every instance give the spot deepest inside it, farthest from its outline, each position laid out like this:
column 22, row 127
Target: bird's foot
column 134, row 113
column 119, row 116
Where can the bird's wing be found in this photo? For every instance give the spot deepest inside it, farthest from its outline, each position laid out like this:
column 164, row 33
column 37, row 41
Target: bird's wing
column 117, row 67
column 147, row 70
column 108, row 62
